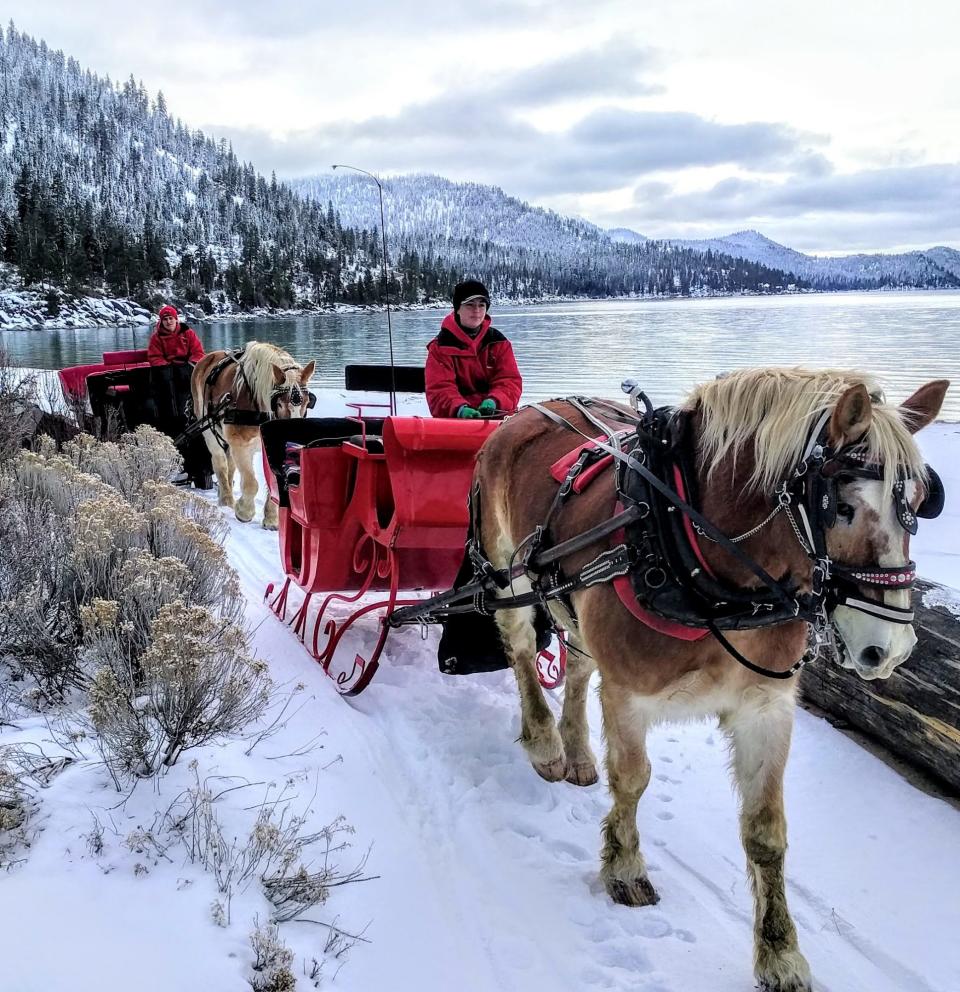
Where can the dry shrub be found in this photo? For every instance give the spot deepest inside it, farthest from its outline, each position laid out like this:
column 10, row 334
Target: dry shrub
column 113, row 580
column 195, row 681
column 128, row 464
column 296, row 868
column 23, row 772
column 271, row 961
column 17, row 396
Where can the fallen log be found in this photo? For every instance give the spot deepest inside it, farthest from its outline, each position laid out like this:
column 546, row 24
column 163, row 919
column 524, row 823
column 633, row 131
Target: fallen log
column 916, row 712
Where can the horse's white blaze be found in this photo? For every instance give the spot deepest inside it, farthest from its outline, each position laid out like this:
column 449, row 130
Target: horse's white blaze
column 861, row 631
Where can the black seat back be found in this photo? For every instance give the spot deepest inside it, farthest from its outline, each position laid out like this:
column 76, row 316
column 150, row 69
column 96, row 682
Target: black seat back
column 380, row 378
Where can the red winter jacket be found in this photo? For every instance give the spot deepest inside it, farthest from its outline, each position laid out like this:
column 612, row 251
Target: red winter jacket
column 176, row 348
column 463, row 370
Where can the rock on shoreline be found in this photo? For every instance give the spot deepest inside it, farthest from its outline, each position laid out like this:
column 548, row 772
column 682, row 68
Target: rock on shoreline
column 22, row 309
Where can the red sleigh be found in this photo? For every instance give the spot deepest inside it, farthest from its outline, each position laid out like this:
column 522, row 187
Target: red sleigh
column 371, row 512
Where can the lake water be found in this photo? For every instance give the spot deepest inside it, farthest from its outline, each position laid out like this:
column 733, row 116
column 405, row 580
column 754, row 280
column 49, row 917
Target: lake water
column 589, row 347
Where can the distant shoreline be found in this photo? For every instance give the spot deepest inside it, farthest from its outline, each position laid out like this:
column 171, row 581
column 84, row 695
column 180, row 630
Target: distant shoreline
column 109, row 312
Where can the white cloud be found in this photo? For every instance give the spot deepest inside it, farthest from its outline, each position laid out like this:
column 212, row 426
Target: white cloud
column 830, row 120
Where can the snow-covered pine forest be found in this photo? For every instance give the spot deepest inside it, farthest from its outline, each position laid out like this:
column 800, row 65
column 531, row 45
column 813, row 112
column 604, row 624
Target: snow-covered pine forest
column 436, row 217
column 528, row 251
column 102, row 189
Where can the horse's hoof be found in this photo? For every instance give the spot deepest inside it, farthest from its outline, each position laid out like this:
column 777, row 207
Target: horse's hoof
column 244, row 516
column 790, row 985
column 583, row 773
column 270, row 525
column 552, row 771
column 225, row 501
column 785, row 972
column 638, row 892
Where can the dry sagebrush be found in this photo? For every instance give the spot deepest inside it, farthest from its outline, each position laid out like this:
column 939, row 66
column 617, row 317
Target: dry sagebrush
column 296, row 868
column 114, row 581
column 23, row 772
column 195, row 681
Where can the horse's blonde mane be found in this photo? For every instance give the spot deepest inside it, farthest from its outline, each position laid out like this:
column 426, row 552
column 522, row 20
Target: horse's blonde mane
column 257, row 363
column 770, row 411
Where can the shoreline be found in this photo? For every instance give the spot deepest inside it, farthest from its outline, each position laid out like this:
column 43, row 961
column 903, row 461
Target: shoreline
column 88, row 313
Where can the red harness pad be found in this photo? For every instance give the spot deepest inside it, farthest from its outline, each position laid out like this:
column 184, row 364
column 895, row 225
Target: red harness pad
column 627, row 596
column 623, row 585
column 561, row 466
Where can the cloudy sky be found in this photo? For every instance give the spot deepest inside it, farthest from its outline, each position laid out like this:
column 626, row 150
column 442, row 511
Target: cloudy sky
column 830, row 125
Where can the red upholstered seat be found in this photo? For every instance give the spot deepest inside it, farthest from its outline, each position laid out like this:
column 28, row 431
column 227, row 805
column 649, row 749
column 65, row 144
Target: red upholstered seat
column 125, row 358
column 73, row 381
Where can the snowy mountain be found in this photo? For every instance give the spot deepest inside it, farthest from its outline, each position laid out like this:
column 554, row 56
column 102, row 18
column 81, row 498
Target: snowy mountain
column 625, row 235
column 520, row 250
column 103, row 191
column 442, row 219
column 422, row 207
column 933, row 268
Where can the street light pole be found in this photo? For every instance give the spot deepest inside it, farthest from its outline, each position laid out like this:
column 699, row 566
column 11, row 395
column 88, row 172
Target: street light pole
column 386, row 295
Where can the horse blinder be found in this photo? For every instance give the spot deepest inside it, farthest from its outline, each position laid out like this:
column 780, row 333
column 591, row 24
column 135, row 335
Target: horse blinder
column 831, row 473
column 933, row 499
column 296, row 396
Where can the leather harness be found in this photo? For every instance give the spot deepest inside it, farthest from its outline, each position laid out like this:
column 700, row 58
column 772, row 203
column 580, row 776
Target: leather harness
column 227, row 411
column 657, row 530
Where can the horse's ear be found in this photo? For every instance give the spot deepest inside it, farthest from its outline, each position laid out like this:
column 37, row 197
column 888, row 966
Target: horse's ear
column 851, row 416
column 306, row 372
column 922, row 408
column 279, row 376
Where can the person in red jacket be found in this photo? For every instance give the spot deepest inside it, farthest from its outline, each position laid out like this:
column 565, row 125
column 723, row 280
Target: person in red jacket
column 173, row 343
column 470, row 369
column 173, row 350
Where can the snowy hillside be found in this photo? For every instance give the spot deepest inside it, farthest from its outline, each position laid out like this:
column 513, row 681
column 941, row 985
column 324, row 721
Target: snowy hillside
column 103, row 190
column 933, row 268
column 520, row 250
column 455, row 221
column 421, row 208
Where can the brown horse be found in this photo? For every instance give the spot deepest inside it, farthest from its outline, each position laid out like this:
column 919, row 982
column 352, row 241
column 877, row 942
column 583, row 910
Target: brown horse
column 263, row 382
column 749, row 431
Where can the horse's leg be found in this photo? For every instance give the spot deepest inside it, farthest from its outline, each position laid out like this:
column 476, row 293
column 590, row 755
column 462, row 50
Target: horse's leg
column 574, row 729
column 270, row 518
column 622, row 869
column 538, row 733
column 243, row 449
column 222, row 469
column 760, row 735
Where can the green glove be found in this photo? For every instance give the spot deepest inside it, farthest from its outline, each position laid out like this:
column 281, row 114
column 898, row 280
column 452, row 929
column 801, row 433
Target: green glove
column 488, row 407
column 468, row 412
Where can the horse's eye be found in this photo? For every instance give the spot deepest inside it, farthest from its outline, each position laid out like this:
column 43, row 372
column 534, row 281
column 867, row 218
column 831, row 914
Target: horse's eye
column 846, row 511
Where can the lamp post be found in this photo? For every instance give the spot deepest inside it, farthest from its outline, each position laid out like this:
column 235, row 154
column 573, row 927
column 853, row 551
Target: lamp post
column 386, row 295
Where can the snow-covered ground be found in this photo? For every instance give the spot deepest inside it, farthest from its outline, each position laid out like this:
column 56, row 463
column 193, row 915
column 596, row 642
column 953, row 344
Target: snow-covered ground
column 486, row 876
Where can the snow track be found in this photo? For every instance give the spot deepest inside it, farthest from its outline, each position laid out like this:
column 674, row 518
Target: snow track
column 489, row 875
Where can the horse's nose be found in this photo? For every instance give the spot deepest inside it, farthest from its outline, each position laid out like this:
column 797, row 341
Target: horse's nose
column 872, row 656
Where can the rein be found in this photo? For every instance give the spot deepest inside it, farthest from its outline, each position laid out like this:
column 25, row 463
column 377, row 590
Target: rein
column 808, row 497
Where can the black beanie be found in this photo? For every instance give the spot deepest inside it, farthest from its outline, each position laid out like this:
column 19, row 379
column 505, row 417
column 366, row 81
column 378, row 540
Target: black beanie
column 464, row 290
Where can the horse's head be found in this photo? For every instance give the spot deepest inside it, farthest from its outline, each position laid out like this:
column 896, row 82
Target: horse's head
column 290, row 398
column 871, row 488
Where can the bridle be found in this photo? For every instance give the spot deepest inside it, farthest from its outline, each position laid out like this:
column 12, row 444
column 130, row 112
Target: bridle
column 295, row 393
column 809, row 498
